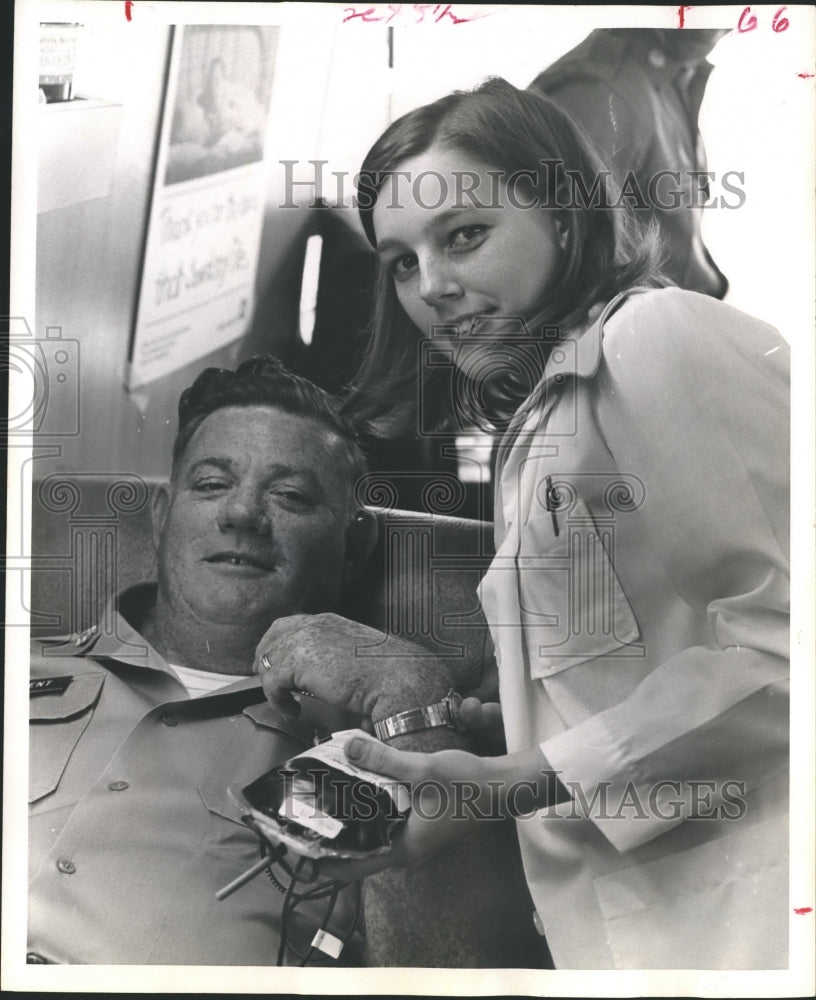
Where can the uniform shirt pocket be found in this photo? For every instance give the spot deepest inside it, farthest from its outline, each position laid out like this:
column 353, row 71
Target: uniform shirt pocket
column 57, row 721
column 572, row 606
column 254, row 743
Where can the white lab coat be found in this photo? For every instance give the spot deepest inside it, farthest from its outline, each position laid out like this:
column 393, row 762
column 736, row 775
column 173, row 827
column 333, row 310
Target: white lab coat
column 638, row 603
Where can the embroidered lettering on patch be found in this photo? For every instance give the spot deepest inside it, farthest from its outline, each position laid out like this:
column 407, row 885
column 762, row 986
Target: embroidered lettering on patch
column 49, row 685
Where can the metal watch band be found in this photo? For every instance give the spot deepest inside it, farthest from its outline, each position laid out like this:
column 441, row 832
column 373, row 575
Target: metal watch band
column 443, row 713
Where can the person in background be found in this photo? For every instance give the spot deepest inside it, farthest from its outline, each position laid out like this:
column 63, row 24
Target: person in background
column 639, row 595
column 637, row 92
column 138, row 733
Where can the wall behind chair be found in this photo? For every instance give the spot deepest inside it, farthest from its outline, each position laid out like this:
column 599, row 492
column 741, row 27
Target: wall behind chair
column 333, row 93
column 88, row 253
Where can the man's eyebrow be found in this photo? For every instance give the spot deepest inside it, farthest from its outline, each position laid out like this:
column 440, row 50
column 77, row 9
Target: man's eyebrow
column 437, row 220
column 211, row 460
column 278, row 470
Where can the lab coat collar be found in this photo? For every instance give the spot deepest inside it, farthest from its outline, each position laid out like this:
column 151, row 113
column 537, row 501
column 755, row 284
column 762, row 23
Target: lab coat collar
column 575, row 357
column 579, row 354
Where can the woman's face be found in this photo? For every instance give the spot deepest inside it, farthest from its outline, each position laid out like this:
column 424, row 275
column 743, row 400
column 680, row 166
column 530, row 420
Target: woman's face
column 459, row 243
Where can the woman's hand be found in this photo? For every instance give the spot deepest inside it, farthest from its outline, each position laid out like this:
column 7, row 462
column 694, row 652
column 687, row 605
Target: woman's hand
column 483, row 723
column 480, row 716
column 452, row 791
column 449, row 796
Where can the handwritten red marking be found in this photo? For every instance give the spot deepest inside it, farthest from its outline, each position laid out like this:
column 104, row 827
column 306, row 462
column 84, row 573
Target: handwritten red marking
column 682, row 14
column 806, row 76
column 423, row 13
column 128, row 5
column 801, row 910
column 780, row 23
column 750, row 22
column 364, row 15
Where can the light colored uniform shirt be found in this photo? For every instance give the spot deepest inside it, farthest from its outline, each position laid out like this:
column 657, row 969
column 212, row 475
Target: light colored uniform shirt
column 132, row 827
column 638, row 603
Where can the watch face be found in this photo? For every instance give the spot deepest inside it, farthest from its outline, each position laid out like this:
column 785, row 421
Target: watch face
column 414, row 720
column 454, row 701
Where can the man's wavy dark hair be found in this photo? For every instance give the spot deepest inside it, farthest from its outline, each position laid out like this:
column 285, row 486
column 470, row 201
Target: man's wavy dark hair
column 264, row 381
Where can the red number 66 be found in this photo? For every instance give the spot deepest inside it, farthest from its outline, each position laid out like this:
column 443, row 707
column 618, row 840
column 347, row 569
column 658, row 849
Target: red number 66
column 748, row 21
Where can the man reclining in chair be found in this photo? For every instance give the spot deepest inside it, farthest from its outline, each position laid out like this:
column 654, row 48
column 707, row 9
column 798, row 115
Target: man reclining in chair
column 137, row 734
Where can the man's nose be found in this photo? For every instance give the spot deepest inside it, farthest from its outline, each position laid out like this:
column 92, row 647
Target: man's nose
column 437, row 281
column 244, row 508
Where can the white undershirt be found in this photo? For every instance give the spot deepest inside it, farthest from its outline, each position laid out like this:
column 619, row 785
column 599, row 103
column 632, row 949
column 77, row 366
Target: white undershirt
column 200, row 682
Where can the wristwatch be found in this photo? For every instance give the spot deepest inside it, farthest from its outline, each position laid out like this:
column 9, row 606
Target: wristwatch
column 443, row 713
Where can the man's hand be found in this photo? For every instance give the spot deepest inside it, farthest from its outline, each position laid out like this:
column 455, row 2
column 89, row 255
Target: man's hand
column 348, row 665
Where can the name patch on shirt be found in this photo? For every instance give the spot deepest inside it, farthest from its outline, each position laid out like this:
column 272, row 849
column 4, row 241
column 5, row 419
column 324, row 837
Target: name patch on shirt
column 49, row 685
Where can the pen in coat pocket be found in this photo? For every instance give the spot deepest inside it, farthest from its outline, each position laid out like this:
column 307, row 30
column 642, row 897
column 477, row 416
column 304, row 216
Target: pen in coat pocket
column 551, row 504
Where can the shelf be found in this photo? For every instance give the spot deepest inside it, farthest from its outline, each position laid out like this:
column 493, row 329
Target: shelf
column 77, row 151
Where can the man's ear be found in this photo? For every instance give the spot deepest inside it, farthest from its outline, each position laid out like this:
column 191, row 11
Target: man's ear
column 361, row 537
column 159, row 509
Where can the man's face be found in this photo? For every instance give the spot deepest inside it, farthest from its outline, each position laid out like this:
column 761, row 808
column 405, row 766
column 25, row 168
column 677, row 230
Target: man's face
column 254, row 524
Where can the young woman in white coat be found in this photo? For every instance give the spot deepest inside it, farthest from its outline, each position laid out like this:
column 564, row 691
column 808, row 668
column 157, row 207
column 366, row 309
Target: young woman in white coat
column 638, row 599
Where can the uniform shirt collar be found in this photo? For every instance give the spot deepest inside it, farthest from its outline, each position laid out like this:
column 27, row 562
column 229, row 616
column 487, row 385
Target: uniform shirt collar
column 115, row 637
column 123, row 642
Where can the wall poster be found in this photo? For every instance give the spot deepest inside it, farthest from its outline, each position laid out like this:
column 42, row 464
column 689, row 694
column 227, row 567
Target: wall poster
column 208, row 199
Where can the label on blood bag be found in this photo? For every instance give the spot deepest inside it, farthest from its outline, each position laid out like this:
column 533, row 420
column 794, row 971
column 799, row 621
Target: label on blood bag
column 331, row 753
column 304, row 811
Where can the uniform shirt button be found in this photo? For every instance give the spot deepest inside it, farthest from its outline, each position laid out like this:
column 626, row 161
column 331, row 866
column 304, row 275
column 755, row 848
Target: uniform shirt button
column 537, row 923
column 66, row 867
column 32, row 958
column 119, row 786
column 169, row 719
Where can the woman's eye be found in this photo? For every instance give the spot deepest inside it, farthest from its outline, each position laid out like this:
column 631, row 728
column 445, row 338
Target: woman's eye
column 467, row 237
column 402, row 266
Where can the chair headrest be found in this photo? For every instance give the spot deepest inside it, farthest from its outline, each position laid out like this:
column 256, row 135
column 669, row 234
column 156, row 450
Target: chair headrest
column 92, row 539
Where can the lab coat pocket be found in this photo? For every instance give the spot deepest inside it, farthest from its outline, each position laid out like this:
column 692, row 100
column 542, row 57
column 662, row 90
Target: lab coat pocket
column 720, row 905
column 57, row 721
column 572, row 606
